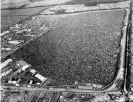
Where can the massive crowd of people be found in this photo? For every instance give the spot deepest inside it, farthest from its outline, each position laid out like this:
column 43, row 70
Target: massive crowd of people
column 75, row 50
column 7, row 21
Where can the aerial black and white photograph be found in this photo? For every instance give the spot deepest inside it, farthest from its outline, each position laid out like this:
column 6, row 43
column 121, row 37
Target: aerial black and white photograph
column 66, row 51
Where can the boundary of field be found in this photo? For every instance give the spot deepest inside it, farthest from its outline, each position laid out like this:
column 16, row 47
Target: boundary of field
column 104, row 89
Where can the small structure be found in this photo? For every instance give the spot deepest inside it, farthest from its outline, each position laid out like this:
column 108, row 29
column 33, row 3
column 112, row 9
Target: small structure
column 30, row 83
column 24, row 65
column 6, row 72
column 5, row 63
column 40, row 77
column 33, row 71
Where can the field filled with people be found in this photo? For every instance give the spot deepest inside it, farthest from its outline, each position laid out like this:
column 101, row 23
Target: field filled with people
column 7, row 21
column 80, row 47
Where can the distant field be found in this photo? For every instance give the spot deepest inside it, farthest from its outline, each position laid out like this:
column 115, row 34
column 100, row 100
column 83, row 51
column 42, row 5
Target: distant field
column 46, row 3
column 5, row 4
column 89, row 2
column 13, row 1
column 21, row 12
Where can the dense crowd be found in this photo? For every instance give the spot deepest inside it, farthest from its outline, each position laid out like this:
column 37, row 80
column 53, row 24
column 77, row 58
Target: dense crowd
column 7, row 21
column 68, row 68
column 75, row 50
